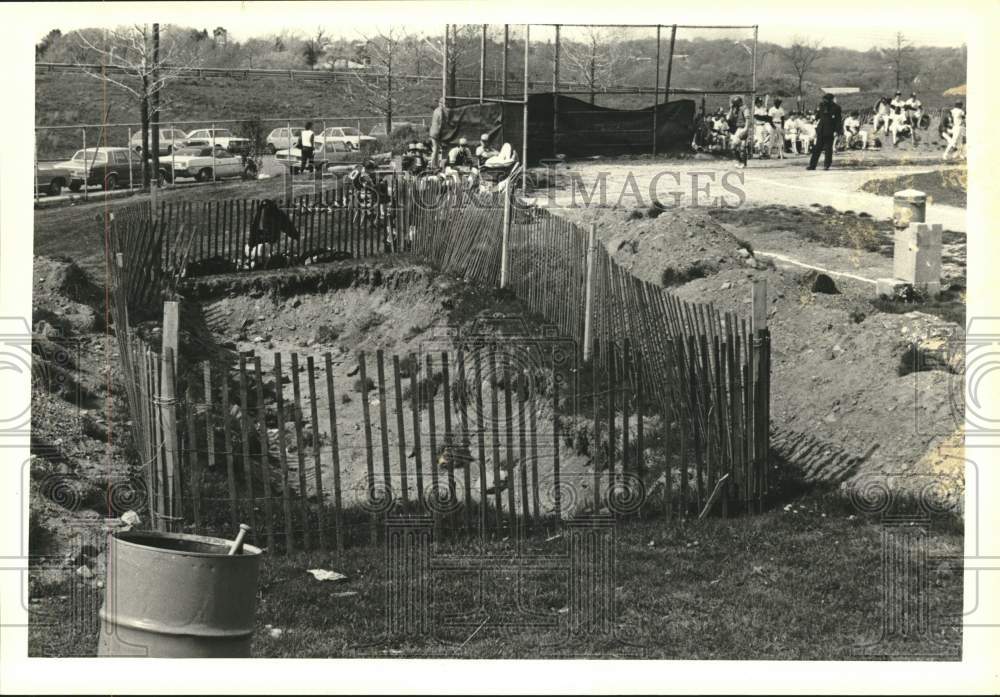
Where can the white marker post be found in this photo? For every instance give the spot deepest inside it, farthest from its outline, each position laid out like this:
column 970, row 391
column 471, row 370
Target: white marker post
column 505, row 243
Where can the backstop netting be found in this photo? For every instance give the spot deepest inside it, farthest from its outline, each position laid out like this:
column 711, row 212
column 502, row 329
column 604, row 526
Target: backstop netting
column 593, row 90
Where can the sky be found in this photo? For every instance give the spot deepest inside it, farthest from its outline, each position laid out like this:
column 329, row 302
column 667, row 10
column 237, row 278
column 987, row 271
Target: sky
column 844, row 27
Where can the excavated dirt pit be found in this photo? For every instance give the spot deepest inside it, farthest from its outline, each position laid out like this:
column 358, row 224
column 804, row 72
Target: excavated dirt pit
column 401, row 309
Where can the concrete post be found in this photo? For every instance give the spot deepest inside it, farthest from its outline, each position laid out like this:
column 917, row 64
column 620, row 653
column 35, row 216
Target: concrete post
column 917, row 257
column 917, row 251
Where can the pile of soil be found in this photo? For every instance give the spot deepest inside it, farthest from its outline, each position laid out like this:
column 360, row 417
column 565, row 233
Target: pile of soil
column 949, row 187
column 79, row 472
column 668, row 247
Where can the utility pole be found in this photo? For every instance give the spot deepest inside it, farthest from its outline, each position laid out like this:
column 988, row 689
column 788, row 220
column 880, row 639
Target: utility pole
column 506, row 46
column 444, row 65
column 155, row 110
column 482, row 64
column 154, row 180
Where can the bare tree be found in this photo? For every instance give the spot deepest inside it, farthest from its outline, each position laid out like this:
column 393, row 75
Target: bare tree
column 801, row 55
column 900, row 56
column 381, row 89
column 314, row 48
column 141, row 70
column 594, row 60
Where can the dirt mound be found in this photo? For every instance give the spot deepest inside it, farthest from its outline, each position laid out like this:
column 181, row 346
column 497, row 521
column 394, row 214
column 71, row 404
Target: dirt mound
column 838, row 375
column 65, row 298
column 665, row 246
column 79, row 472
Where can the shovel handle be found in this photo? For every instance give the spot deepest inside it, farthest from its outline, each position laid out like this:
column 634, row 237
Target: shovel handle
column 237, row 546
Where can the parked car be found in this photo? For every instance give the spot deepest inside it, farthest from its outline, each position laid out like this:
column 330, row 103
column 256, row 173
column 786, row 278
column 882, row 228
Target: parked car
column 378, row 130
column 344, row 134
column 105, row 167
column 278, row 138
column 53, row 177
column 330, row 156
column 197, row 162
column 222, row 137
column 170, row 138
column 335, row 158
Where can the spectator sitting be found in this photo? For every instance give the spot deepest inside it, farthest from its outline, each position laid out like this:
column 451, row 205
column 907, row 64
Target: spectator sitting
column 484, row 151
column 897, row 101
column 899, row 126
column 882, row 115
column 807, row 133
column 458, row 157
column 853, row 132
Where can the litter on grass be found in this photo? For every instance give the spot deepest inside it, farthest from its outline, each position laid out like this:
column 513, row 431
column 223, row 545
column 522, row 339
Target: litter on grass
column 327, row 575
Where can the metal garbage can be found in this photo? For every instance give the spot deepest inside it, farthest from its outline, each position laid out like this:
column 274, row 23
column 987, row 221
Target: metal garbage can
column 908, row 206
column 169, row 595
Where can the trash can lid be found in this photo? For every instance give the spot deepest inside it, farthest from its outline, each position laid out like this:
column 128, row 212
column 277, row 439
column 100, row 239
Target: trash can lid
column 182, row 544
column 911, row 195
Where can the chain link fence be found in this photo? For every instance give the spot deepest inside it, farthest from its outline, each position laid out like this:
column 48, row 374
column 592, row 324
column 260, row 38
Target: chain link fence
column 86, row 158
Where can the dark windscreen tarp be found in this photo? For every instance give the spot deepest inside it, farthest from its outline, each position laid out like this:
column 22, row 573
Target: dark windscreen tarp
column 569, row 126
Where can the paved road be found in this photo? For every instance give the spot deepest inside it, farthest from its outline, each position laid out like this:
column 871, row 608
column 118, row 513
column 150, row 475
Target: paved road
column 706, row 182
column 839, row 188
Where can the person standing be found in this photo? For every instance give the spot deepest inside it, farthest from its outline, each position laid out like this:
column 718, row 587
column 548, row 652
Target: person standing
column 307, row 141
column 777, row 114
column 954, row 136
column 829, row 124
column 762, row 129
column 437, row 127
column 739, row 129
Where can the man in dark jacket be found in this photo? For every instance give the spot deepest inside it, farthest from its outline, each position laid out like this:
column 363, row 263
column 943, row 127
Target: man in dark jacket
column 829, row 124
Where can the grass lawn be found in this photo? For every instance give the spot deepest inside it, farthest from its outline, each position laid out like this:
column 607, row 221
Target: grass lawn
column 803, row 581
column 949, row 187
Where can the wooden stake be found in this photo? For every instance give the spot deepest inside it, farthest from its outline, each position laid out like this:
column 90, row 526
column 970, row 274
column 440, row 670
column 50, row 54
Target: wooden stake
column 759, row 299
column 245, row 439
column 286, row 494
column 300, row 450
column 335, row 449
column 588, row 297
column 168, row 408
column 369, row 454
